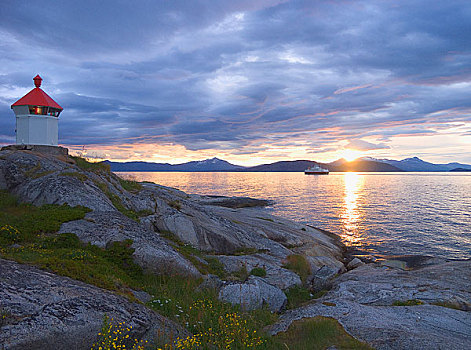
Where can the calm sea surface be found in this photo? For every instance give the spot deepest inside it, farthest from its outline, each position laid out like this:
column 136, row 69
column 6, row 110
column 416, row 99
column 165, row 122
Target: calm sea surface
column 393, row 213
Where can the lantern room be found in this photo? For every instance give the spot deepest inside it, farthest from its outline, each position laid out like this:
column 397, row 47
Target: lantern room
column 37, row 117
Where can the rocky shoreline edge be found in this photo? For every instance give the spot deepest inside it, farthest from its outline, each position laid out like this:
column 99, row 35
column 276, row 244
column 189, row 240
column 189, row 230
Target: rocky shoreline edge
column 394, row 303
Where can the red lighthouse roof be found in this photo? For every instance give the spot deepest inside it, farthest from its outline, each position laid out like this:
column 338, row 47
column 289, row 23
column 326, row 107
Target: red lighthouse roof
column 37, row 97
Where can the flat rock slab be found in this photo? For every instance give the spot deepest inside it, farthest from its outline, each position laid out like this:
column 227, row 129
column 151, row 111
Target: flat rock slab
column 393, row 327
column 375, row 285
column 47, row 311
column 362, row 301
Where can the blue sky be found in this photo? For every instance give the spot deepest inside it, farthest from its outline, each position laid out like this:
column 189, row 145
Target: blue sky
column 248, row 81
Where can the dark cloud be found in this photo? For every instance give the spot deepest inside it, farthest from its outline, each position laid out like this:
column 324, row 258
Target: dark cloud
column 362, row 145
column 229, row 74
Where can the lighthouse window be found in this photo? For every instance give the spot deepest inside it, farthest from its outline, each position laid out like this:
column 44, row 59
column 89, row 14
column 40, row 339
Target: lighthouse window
column 40, row 110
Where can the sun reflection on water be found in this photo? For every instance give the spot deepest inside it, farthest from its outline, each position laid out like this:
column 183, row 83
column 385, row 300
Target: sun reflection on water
column 350, row 215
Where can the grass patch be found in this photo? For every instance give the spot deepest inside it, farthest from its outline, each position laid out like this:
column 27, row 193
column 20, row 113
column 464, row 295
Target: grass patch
column 299, row 264
column 204, row 263
column 319, row 294
column 35, row 173
column 130, row 185
column 318, row 333
column 117, row 203
column 266, row 219
column 258, row 271
column 297, row 295
column 410, row 302
column 242, row 274
column 82, row 177
column 175, row 204
column 96, row 167
column 246, row 251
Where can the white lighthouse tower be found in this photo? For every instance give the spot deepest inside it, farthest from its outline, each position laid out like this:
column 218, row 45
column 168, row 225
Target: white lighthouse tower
column 37, row 117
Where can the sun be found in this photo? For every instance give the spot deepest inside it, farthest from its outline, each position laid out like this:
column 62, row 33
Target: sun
column 350, row 154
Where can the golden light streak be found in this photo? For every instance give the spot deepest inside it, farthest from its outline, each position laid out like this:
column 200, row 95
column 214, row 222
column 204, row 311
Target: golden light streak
column 350, row 215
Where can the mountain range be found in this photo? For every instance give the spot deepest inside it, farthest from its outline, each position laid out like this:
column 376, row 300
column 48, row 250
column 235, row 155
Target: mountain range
column 366, row 164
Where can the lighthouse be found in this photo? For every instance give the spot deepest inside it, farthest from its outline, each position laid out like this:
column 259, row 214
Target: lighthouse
column 37, row 117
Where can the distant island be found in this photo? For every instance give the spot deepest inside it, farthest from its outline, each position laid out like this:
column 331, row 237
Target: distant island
column 366, row 164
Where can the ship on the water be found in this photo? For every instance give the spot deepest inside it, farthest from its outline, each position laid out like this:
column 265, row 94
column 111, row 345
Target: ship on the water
column 316, row 170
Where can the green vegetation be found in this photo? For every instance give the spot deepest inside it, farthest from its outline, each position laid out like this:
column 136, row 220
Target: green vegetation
column 80, row 176
column 299, row 264
column 175, row 204
column 204, row 263
column 318, row 333
column 96, row 167
column 35, row 173
column 319, row 294
column 242, row 274
column 130, row 185
column 247, row 251
column 297, row 295
column 258, row 271
column 28, row 234
column 410, row 302
column 266, row 219
column 115, row 336
column 118, row 204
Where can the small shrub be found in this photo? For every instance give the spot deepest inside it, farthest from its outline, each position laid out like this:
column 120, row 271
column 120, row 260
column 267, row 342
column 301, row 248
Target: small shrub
column 319, row 294
column 96, row 167
column 120, row 253
column 242, row 274
column 175, row 204
column 215, row 267
column 258, row 271
column 299, row 264
column 410, row 302
column 297, row 295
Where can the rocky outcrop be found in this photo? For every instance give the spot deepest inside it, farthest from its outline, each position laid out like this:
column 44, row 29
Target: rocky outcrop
column 363, row 301
column 152, row 252
column 46, row 311
column 224, row 227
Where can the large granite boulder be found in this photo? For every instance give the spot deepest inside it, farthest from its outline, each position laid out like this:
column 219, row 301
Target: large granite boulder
column 253, row 294
column 45, row 311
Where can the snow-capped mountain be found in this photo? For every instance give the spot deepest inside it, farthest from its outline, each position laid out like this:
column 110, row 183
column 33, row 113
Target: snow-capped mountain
column 213, row 164
column 417, row 164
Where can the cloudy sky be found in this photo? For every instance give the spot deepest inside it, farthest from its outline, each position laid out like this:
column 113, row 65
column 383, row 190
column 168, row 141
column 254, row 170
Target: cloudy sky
column 250, row 81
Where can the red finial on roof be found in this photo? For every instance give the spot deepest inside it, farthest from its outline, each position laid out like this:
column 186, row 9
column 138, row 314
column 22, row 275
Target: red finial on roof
column 37, row 80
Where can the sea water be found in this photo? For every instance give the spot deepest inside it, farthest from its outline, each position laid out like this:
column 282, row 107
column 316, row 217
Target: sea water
column 382, row 213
